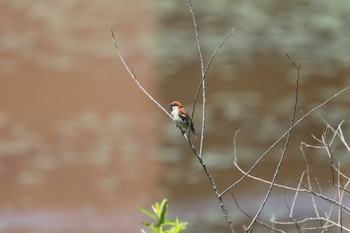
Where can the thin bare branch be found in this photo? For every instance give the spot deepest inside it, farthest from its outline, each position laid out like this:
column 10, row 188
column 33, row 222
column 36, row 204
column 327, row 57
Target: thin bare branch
column 207, row 68
column 309, row 169
column 295, row 197
column 204, row 69
column 326, row 198
column 329, row 152
column 281, row 137
column 312, row 220
column 341, row 136
column 291, row 216
column 235, row 147
column 232, row 30
column 132, row 75
column 310, row 187
column 202, row 83
column 260, row 222
column 268, row 182
column 285, row 146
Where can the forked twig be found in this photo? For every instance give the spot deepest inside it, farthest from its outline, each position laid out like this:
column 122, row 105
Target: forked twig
column 204, row 70
column 207, row 68
column 282, row 136
column 260, row 222
column 284, row 149
column 291, row 211
column 133, row 76
column 202, row 86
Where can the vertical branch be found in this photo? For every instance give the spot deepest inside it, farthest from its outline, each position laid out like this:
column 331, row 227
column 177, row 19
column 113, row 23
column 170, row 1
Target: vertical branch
column 207, row 68
column 291, row 210
column 201, row 59
column 235, row 147
column 310, row 187
column 309, row 168
column 217, row 194
column 340, row 198
column 329, row 152
column 341, row 136
column 203, row 87
column 285, row 146
column 296, row 195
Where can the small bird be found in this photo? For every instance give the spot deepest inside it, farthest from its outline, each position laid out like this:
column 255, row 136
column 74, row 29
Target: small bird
column 181, row 118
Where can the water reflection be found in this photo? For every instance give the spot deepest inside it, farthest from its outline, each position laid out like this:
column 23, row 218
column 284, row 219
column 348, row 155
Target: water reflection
column 81, row 147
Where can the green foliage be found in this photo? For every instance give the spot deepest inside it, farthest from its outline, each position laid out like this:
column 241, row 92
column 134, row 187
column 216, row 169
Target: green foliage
column 162, row 225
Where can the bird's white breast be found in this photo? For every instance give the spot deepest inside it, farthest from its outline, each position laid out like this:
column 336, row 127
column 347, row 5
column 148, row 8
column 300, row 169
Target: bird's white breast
column 177, row 119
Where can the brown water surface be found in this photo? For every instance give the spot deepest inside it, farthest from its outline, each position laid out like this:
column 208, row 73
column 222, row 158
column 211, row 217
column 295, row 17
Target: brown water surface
column 81, row 147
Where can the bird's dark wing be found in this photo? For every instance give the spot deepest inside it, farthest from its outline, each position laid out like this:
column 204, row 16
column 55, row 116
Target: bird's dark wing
column 184, row 117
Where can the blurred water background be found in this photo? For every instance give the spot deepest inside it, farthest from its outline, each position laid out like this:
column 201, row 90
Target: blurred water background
column 81, row 147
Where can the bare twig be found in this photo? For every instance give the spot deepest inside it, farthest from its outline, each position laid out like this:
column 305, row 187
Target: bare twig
column 341, row 136
column 204, row 70
column 292, row 217
column 312, row 196
column 326, row 198
column 308, row 167
column 132, row 75
column 285, row 146
column 340, row 198
column 332, row 223
column 281, row 137
column 202, row 86
column 232, row 30
column 327, row 146
column 266, row 181
column 207, row 68
column 295, row 197
column 235, row 147
column 202, row 83
column 260, row 222
column 337, row 132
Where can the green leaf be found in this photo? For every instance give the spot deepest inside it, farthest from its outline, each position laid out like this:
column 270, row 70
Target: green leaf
column 162, row 225
column 164, row 209
column 155, row 209
column 147, row 224
column 170, row 222
column 143, row 210
column 179, row 226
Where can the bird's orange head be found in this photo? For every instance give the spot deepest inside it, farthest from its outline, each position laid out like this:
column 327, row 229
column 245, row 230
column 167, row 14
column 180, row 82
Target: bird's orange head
column 175, row 103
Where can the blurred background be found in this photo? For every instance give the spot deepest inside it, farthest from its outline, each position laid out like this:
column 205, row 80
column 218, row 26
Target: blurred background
column 81, row 147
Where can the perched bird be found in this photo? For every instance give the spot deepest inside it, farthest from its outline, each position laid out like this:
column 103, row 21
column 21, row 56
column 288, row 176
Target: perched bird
column 180, row 117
